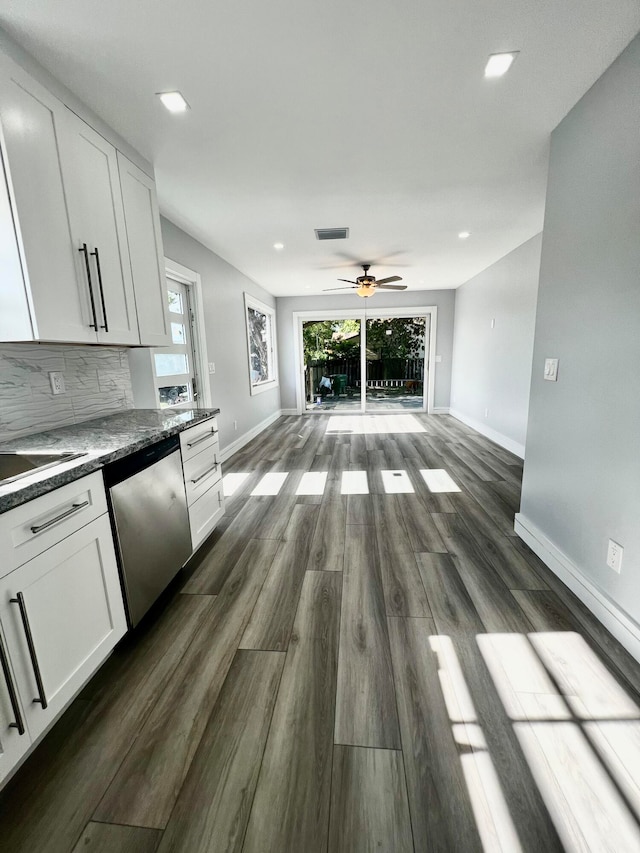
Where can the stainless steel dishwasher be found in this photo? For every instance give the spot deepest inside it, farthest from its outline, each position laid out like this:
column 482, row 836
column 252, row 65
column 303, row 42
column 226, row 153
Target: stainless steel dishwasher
column 148, row 506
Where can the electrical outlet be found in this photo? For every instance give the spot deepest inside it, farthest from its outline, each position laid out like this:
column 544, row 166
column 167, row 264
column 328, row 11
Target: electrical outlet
column 57, row 382
column 614, row 556
column 212, row 367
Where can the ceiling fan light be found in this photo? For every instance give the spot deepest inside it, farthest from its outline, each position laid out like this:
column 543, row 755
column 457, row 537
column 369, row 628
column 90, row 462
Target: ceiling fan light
column 365, row 290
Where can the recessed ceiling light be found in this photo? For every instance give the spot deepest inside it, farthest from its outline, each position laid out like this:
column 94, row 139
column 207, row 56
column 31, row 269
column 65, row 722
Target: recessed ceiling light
column 499, row 63
column 464, row 234
column 278, row 246
column 173, row 101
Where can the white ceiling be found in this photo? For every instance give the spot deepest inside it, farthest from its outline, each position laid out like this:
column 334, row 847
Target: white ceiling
column 323, row 113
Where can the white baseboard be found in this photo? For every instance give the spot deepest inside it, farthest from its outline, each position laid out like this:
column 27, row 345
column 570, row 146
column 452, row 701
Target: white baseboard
column 503, row 440
column 246, row 437
column 440, row 410
column 625, row 629
column 288, row 411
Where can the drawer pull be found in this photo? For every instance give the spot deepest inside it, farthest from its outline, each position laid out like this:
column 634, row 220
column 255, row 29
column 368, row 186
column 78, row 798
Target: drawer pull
column 202, row 476
column 13, row 696
column 36, row 528
column 202, row 438
column 42, row 697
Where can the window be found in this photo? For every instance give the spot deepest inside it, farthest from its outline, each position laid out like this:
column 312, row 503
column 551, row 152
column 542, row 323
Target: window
column 261, row 343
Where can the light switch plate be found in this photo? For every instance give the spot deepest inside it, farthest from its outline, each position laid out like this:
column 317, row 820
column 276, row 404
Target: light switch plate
column 551, row 369
column 212, row 367
column 614, row 556
column 438, row 358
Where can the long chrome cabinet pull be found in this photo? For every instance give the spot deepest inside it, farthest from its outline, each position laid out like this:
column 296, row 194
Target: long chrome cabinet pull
column 36, row 528
column 104, row 307
column 208, row 471
column 13, row 696
column 42, row 697
column 84, row 251
column 202, row 438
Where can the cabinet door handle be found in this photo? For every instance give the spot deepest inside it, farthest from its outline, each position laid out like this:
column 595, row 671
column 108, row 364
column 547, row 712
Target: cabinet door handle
column 202, row 438
column 84, row 251
column 13, row 696
column 42, row 697
column 96, row 255
column 208, row 471
column 36, row 528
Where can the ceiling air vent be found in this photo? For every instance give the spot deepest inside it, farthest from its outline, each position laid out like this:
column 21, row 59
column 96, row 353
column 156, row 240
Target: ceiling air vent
column 332, row 233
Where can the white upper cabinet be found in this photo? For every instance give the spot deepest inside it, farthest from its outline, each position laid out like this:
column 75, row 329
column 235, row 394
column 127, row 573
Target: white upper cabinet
column 145, row 252
column 42, row 299
column 80, row 240
column 96, row 213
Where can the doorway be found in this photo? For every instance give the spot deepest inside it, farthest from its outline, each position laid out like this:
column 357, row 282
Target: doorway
column 369, row 361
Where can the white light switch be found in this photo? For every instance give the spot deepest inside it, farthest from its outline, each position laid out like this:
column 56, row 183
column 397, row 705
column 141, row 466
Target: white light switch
column 212, row 367
column 551, row 369
column 438, row 358
column 614, row 556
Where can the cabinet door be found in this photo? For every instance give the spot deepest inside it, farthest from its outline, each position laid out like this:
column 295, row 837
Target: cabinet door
column 14, row 736
column 62, row 613
column 90, row 170
column 144, row 238
column 30, row 119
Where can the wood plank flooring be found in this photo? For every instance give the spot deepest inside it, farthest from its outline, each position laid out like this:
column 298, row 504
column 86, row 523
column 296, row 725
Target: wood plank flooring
column 363, row 657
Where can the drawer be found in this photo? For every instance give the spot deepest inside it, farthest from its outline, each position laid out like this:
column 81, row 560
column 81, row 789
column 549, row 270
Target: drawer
column 32, row 528
column 201, row 472
column 205, row 513
column 198, row 438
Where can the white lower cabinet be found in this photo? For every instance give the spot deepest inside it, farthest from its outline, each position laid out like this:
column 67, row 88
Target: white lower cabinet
column 202, row 478
column 61, row 614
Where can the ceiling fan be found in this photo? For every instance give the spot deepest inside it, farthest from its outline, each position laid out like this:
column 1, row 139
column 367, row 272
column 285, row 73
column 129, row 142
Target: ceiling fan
column 366, row 285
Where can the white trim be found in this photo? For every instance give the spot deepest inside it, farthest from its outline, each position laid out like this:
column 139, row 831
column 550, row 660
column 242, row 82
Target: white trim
column 252, row 302
column 288, row 411
column 503, row 440
column 440, row 410
column 625, row 629
column 429, row 312
column 248, row 436
column 192, row 279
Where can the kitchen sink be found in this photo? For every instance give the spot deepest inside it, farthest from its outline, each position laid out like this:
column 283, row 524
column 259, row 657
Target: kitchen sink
column 14, row 465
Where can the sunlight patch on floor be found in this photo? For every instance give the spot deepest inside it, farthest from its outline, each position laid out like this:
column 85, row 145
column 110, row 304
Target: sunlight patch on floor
column 439, row 480
column 373, row 424
column 312, row 483
column 232, row 482
column 397, row 483
column 354, row 483
column 270, row 484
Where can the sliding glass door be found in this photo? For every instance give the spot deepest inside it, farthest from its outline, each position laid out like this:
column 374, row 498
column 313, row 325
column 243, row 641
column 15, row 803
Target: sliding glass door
column 359, row 363
column 396, row 350
column 332, row 365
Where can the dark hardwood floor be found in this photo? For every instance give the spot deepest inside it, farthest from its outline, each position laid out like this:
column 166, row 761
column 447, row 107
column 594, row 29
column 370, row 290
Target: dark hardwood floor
column 363, row 657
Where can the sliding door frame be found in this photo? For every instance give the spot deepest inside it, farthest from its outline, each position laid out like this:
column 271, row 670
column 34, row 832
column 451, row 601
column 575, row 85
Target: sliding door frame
column 430, row 314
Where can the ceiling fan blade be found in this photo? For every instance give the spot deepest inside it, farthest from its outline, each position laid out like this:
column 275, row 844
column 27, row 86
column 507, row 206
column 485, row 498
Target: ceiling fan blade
column 326, row 289
column 391, row 286
column 348, row 280
column 387, row 280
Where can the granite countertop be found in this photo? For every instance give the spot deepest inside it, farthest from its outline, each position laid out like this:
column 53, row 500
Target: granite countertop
column 103, row 440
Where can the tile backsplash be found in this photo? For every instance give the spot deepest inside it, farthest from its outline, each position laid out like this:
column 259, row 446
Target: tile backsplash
column 97, row 381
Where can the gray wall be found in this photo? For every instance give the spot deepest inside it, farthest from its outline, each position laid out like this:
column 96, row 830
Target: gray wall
column 492, row 366
column 223, row 288
column 96, row 378
column 443, row 299
column 582, row 471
